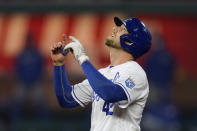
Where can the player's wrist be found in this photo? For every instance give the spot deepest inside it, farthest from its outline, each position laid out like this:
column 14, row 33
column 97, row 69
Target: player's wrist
column 58, row 63
column 82, row 59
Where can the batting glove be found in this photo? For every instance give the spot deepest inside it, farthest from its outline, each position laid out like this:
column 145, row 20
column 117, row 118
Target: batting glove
column 77, row 49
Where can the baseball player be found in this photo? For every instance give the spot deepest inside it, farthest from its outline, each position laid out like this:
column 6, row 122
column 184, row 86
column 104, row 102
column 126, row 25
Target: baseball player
column 118, row 93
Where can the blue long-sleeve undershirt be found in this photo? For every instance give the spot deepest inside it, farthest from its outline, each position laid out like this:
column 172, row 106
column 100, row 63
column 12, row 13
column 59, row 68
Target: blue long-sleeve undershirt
column 105, row 88
column 62, row 88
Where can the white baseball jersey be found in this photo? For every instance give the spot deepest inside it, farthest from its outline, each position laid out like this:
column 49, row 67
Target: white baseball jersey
column 119, row 116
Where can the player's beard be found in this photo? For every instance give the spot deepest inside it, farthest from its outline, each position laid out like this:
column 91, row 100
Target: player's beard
column 112, row 44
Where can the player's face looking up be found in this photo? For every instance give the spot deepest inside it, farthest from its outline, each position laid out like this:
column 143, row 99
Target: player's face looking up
column 114, row 39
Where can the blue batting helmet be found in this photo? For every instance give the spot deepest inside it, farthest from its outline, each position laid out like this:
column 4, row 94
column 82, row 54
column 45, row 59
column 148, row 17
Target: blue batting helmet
column 139, row 37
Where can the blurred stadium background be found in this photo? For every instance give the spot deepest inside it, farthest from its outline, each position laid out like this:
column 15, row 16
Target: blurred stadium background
column 29, row 27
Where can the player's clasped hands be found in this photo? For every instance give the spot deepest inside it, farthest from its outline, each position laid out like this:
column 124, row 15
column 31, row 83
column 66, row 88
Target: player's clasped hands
column 60, row 49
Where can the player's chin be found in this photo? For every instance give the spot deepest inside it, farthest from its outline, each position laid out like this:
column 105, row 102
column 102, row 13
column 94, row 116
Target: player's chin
column 109, row 42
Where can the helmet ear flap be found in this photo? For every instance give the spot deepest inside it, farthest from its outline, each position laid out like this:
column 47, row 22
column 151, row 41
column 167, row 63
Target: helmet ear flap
column 125, row 39
column 126, row 42
column 130, row 46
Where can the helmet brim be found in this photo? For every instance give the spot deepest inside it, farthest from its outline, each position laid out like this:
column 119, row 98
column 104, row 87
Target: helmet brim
column 118, row 21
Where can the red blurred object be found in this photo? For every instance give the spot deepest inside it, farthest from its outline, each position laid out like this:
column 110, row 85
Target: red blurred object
column 179, row 33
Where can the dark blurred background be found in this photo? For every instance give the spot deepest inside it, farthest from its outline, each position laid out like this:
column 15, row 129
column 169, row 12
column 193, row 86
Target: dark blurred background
column 29, row 27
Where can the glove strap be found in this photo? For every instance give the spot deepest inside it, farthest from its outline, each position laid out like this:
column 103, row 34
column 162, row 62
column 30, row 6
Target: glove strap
column 82, row 59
